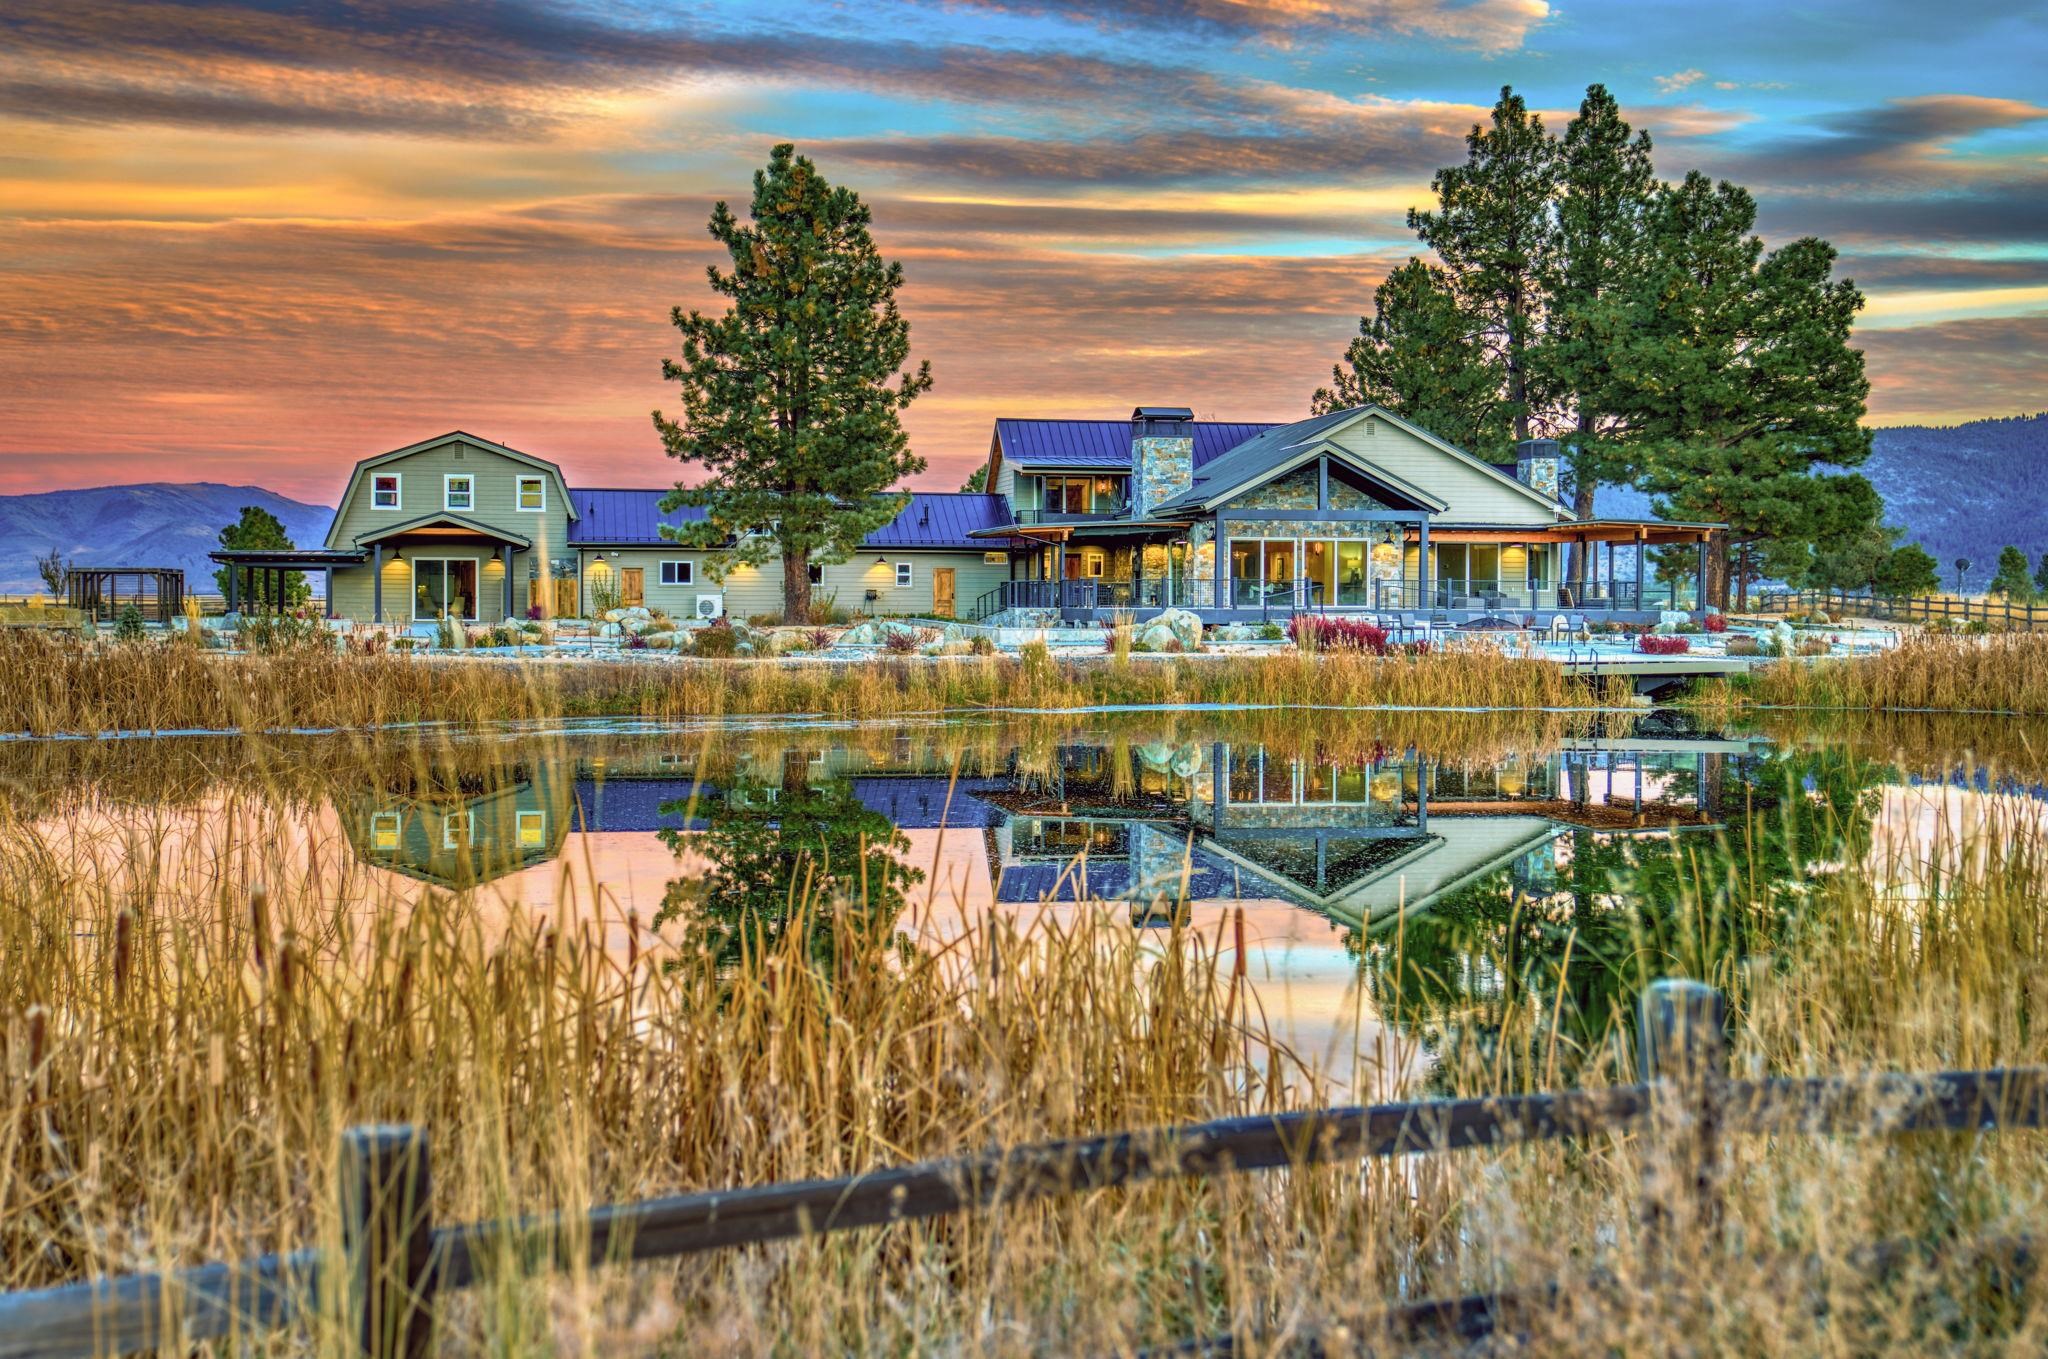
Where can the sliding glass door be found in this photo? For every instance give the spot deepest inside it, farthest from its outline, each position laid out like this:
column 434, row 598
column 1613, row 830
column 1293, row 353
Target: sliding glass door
column 443, row 585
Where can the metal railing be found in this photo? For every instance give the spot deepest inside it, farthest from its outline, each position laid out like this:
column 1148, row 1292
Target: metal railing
column 396, row 1262
column 1482, row 594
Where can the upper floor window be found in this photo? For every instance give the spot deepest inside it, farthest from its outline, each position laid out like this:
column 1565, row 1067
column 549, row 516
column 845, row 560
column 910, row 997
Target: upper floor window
column 384, row 491
column 1083, row 495
column 461, row 493
column 533, row 493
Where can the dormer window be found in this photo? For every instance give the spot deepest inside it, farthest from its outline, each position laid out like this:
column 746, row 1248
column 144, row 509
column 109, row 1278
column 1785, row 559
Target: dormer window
column 461, row 492
column 384, row 491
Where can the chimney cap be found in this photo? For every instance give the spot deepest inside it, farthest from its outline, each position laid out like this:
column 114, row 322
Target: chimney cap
column 1537, row 448
column 1162, row 413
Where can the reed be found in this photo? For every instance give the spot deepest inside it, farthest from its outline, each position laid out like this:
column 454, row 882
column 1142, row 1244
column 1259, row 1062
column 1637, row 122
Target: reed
column 1927, row 671
column 188, row 1018
column 62, row 686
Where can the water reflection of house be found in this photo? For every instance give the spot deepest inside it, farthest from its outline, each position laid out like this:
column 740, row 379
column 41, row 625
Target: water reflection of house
column 1359, row 840
column 463, row 830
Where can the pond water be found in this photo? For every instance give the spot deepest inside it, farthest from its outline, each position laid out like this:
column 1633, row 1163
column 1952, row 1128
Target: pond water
column 1392, row 884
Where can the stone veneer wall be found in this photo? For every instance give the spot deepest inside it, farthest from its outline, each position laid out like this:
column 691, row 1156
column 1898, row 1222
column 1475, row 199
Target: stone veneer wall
column 1162, row 467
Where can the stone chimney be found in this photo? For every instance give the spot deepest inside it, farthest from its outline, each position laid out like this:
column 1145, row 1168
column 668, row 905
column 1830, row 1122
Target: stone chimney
column 1162, row 455
column 1536, row 465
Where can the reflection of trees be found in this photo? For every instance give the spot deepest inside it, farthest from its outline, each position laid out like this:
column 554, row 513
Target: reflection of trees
column 1534, row 970
column 802, row 856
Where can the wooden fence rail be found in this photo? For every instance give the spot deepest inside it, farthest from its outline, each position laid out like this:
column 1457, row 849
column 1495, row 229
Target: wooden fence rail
column 395, row 1261
column 1907, row 609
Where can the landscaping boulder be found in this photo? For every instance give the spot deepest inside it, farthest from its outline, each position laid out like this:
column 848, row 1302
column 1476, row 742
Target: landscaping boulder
column 1236, row 632
column 876, row 632
column 1672, row 618
column 1184, row 626
column 610, row 629
column 660, row 641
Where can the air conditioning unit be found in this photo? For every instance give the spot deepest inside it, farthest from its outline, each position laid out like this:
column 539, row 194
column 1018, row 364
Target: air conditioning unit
column 710, row 606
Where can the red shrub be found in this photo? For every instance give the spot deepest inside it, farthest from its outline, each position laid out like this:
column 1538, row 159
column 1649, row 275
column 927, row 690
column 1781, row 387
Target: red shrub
column 1323, row 633
column 1715, row 622
column 1652, row 644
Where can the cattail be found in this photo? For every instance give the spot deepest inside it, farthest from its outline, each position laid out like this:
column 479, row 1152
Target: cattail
column 124, row 951
column 38, row 1044
column 632, row 942
column 259, row 924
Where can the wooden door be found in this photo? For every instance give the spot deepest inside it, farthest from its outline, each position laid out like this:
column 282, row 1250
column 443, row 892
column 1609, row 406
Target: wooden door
column 632, row 586
column 942, row 591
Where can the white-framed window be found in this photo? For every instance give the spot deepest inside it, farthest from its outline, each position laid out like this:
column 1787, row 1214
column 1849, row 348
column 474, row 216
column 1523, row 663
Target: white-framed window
column 905, row 576
column 384, row 490
column 679, row 573
column 533, row 829
column 458, row 491
column 531, row 493
column 384, row 829
column 1095, row 562
column 458, row 830
column 816, row 573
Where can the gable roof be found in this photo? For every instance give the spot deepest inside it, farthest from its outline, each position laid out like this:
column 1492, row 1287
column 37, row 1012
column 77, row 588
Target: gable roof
column 451, row 517
column 1278, row 450
column 1104, row 443
column 453, row 436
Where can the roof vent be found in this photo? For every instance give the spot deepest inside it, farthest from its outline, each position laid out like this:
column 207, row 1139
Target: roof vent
column 924, row 517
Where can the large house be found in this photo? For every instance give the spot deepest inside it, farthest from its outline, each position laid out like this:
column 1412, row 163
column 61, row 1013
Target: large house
column 1357, row 510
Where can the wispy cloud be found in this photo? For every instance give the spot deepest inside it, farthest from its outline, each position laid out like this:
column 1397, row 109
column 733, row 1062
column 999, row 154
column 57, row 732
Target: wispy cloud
column 1678, row 80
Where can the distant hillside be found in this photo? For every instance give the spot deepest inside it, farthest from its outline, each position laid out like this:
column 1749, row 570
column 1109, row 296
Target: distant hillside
column 158, row 524
column 1958, row 490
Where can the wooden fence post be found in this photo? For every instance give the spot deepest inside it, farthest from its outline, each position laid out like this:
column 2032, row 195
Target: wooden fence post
column 1684, row 1060
column 388, row 1233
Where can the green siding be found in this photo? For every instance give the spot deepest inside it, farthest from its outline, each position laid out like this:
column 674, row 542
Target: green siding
column 750, row 591
column 1472, row 494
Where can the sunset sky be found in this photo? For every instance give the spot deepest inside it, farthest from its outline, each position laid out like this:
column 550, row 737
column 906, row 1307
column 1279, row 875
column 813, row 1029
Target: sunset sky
column 253, row 243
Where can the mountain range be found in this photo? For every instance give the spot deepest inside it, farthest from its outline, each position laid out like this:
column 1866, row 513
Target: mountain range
column 1958, row 490
column 158, row 523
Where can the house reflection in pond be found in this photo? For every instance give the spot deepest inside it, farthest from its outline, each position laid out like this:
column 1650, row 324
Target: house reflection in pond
column 1358, row 840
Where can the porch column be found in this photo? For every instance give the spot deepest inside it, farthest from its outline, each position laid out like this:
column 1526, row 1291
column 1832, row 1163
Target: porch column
column 1642, row 564
column 505, row 553
column 1422, row 564
column 327, row 589
column 234, row 579
column 1699, row 575
column 377, row 582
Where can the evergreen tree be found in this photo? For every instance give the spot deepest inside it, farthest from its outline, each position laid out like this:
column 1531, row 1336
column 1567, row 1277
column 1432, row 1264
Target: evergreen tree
column 1909, row 570
column 1739, row 380
column 791, row 399
column 2011, row 578
column 1606, row 185
column 259, row 528
column 977, row 480
column 1495, row 233
column 2041, row 576
column 1420, row 355
column 1848, row 554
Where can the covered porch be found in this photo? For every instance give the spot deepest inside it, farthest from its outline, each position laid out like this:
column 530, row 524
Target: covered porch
column 441, row 566
column 257, row 577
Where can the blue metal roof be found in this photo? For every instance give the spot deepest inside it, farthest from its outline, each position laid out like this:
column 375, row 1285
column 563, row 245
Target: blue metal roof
column 622, row 516
column 931, row 519
column 1105, row 443
column 942, row 519
column 910, row 802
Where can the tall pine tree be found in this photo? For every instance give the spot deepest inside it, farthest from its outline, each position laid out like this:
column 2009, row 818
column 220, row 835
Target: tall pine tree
column 1420, row 356
column 1606, row 185
column 791, row 399
column 1495, row 232
column 1739, row 379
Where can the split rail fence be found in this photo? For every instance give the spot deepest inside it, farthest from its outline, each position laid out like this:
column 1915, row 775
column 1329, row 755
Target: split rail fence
column 396, row 1261
column 2000, row 612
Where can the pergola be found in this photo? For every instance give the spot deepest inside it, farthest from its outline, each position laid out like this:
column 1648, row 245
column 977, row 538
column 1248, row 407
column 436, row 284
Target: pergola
column 97, row 589
column 246, row 564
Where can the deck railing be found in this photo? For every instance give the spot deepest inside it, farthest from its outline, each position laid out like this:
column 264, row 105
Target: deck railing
column 396, row 1262
column 1510, row 595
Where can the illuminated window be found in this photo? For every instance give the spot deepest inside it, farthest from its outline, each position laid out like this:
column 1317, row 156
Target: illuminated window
column 532, row 494
column 461, row 491
column 533, row 829
column 384, row 828
column 384, row 490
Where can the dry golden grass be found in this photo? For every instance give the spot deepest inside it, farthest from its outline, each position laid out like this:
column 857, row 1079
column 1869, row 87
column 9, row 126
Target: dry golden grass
column 58, row 685
column 1934, row 672
column 182, row 1050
